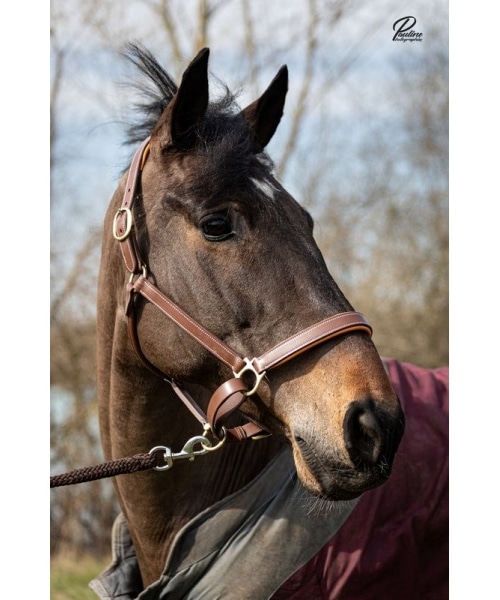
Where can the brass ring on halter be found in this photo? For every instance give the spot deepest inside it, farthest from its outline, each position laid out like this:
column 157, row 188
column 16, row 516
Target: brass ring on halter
column 144, row 274
column 220, row 440
column 258, row 376
column 128, row 223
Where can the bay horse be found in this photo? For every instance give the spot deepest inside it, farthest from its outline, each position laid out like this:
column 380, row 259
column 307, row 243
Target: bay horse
column 221, row 333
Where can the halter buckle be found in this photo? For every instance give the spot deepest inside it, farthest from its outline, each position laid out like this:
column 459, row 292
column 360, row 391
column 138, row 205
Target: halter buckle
column 258, row 376
column 128, row 223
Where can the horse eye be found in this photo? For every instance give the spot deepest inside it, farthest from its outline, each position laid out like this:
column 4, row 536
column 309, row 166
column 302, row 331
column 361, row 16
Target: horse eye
column 217, row 227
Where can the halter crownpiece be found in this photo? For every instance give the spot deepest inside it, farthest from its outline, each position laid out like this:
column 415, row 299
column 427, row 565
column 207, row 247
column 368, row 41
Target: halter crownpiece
column 232, row 393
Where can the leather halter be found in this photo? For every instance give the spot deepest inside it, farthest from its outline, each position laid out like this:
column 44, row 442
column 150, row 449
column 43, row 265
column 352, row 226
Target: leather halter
column 230, row 395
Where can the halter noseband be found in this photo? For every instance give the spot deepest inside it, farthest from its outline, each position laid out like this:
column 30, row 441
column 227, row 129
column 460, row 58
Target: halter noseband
column 230, row 395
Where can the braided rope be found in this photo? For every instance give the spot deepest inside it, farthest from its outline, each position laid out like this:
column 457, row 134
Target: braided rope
column 131, row 464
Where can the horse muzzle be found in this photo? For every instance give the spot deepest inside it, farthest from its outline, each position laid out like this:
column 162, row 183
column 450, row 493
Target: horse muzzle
column 364, row 459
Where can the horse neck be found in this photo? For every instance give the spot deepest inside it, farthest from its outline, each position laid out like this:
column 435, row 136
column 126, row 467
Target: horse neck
column 138, row 411
column 158, row 504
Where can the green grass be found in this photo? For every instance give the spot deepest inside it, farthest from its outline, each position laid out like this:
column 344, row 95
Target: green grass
column 69, row 577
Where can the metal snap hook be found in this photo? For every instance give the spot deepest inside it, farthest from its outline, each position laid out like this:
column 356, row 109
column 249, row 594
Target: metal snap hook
column 189, row 450
column 167, row 457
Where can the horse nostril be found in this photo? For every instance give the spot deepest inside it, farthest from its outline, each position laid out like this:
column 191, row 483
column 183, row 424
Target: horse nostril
column 363, row 433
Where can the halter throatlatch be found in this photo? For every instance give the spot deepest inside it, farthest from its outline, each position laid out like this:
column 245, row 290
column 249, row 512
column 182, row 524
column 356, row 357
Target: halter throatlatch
column 231, row 394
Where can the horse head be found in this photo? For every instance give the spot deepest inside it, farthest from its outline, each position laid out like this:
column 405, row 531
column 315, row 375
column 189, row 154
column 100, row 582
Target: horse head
column 220, row 235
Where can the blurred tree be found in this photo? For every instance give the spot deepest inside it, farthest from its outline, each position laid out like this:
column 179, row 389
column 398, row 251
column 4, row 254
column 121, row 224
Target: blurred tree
column 387, row 235
column 80, row 517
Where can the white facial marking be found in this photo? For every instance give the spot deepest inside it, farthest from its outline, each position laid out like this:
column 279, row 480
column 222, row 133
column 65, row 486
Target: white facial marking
column 264, row 187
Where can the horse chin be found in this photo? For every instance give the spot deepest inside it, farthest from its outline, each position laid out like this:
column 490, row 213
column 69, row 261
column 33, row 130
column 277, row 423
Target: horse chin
column 335, row 481
column 333, row 490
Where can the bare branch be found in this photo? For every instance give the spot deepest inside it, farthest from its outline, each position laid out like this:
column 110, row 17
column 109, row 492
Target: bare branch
column 297, row 119
column 163, row 8
column 73, row 277
column 250, row 50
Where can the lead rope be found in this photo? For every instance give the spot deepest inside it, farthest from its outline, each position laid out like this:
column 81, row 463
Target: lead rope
column 131, row 464
column 159, row 458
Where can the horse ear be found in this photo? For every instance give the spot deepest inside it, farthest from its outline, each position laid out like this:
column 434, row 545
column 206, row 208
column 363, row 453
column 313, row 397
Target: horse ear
column 190, row 102
column 265, row 113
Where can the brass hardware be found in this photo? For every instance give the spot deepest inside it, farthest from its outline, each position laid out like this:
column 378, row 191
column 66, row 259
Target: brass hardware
column 128, row 224
column 144, row 274
column 258, row 376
